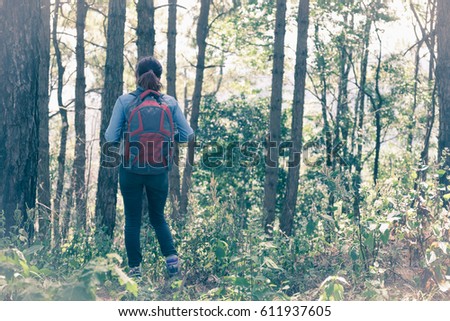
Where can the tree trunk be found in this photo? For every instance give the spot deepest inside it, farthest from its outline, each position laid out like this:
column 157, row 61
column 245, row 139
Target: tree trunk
column 321, row 66
column 19, row 110
column 377, row 105
column 145, row 28
column 432, row 88
column 79, row 163
column 174, row 175
column 343, row 123
column 202, row 34
column 360, row 112
column 412, row 121
column 63, row 132
column 359, row 125
column 43, row 191
column 287, row 215
column 443, row 81
column 105, row 207
column 276, row 99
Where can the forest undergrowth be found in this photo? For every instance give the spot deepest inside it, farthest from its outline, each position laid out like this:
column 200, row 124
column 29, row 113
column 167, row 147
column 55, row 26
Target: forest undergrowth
column 398, row 249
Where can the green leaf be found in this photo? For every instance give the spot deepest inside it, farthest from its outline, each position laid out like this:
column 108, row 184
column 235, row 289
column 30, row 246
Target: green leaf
column 338, row 292
column 239, row 281
column 370, row 242
column 132, row 287
column 446, row 196
column 354, row 254
column 329, row 289
column 385, row 236
column 221, row 249
column 310, row 227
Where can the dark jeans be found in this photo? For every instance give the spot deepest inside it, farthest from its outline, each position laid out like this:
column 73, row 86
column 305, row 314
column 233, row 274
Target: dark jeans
column 132, row 186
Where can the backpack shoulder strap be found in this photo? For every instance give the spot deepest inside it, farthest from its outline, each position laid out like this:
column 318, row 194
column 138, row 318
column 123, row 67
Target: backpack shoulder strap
column 135, row 93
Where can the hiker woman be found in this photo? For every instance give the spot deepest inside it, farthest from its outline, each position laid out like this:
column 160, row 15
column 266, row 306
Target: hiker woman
column 146, row 119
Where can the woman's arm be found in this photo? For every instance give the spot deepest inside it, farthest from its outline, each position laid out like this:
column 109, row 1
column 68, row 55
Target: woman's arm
column 185, row 132
column 116, row 123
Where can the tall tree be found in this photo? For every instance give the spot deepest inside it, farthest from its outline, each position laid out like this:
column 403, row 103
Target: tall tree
column 443, row 79
column 360, row 113
column 79, row 163
column 174, row 176
column 343, row 118
column 105, row 207
column 287, row 214
column 19, row 110
column 43, row 192
column 63, row 131
column 431, row 110
column 145, row 28
column 322, row 69
column 273, row 139
column 377, row 105
column 202, row 34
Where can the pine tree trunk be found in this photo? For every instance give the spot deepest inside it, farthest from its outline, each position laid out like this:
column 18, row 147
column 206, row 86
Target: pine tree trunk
column 63, row 132
column 287, row 215
column 105, row 207
column 146, row 28
column 19, row 110
column 202, row 34
column 43, row 191
column 271, row 170
column 360, row 112
column 378, row 105
column 174, row 176
column 79, row 163
column 443, row 81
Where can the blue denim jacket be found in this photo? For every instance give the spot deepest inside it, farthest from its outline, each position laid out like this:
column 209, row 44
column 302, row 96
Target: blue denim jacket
column 118, row 119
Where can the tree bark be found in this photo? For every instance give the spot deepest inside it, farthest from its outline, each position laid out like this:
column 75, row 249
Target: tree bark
column 79, row 164
column 145, row 28
column 19, row 110
column 174, row 175
column 343, row 120
column 105, row 207
column 63, row 131
column 43, row 191
column 432, row 88
column 276, row 99
column 202, row 34
column 287, row 215
column 443, row 81
column 360, row 113
column 377, row 105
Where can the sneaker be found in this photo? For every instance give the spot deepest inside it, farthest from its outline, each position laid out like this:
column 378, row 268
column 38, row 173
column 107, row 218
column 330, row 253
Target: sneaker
column 135, row 272
column 173, row 265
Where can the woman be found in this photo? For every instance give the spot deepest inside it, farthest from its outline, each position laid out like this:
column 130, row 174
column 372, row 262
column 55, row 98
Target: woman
column 148, row 75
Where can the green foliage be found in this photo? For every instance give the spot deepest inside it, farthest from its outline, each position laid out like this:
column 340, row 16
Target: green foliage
column 21, row 281
column 333, row 288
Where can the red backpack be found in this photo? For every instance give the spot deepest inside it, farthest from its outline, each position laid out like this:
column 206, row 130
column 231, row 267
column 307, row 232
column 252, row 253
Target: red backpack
column 149, row 134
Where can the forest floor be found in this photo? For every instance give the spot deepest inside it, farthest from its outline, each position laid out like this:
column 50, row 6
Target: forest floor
column 403, row 281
